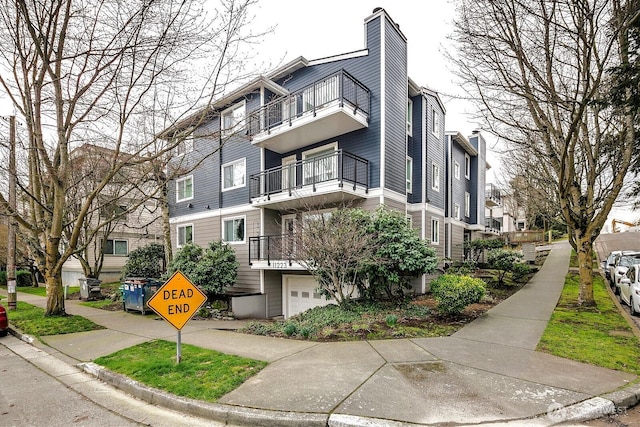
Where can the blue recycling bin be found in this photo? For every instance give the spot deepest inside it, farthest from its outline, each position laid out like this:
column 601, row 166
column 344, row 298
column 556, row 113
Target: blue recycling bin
column 136, row 293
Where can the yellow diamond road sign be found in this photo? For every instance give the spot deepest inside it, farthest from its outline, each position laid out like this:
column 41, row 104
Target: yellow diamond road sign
column 177, row 300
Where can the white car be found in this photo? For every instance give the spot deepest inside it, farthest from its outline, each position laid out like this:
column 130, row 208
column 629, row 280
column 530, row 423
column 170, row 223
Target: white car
column 626, row 260
column 609, row 264
column 630, row 289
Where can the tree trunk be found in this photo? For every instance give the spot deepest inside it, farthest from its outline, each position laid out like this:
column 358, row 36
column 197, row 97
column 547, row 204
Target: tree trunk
column 585, row 269
column 55, row 296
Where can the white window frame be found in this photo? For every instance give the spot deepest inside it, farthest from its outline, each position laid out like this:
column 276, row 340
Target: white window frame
column 435, row 176
column 435, row 231
column 238, row 121
column 467, row 166
column 244, row 231
column 332, row 163
column 184, row 227
column 435, row 123
column 467, row 204
column 113, row 247
column 186, row 145
column 456, row 211
column 179, row 181
column 232, row 165
column 409, row 174
column 456, row 169
column 409, row 117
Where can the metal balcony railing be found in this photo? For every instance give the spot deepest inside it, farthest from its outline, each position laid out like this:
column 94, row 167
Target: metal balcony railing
column 338, row 166
column 493, row 193
column 339, row 87
column 273, row 248
column 492, row 225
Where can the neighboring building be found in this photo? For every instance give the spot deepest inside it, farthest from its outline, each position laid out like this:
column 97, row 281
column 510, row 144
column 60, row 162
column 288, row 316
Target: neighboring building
column 134, row 221
column 351, row 128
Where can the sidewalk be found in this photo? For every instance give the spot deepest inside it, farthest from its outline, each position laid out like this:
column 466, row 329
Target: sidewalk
column 486, row 372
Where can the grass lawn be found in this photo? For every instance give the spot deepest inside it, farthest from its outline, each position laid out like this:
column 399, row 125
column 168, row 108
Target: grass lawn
column 202, row 374
column 42, row 291
column 31, row 320
column 598, row 336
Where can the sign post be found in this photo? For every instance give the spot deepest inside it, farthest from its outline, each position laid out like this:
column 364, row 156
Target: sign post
column 176, row 302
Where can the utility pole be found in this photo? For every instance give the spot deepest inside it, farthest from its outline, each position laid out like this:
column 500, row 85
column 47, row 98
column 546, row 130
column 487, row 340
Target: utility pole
column 11, row 235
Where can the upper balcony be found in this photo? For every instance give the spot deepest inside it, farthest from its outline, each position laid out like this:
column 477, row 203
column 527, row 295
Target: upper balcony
column 325, row 179
column 492, row 196
column 334, row 105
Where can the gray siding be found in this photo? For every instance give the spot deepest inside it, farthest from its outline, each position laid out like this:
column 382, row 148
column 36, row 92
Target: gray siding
column 395, row 109
column 457, row 242
column 273, row 289
column 435, row 154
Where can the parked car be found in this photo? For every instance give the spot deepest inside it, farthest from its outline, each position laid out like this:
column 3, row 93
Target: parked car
column 4, row 321
column 630, row 289
column 626, row 260
column 609, row 264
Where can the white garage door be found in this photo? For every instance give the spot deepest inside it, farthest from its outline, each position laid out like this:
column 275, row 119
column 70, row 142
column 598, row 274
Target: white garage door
column 300, row 294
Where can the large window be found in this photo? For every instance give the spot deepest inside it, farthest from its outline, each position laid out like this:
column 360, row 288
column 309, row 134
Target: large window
column 456, row 169
column 409, row 117
column 184, row 188
column 467, row 204
column 435, row 123
column 409, row 174
column 233, row 229
column 116, row 247
column 435, row 231
column 467, row 166
column 435, row 177
column 185, row 234
column 233, row 175
column 456, row 211
column 320, row 164
column 233, row 118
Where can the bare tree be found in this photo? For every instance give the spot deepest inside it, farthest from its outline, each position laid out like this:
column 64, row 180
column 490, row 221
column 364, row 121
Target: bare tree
column 104, row 72
column 537, row 69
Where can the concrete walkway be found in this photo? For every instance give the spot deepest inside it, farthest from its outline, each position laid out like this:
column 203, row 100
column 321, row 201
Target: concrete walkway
column 486, row 372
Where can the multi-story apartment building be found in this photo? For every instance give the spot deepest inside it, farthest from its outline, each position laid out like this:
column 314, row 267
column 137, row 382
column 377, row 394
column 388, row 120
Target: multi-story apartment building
column 312, row 135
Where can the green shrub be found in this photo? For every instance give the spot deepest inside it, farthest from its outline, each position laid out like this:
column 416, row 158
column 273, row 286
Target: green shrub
column 260, row 328
column 290, row 329
column 520, row 272
column 145, row 261
column 453, row 293
column 392, row 320
column 3, row 278
column 23, row 278
column 465, row 267
column 503, row 260
column 306, row 331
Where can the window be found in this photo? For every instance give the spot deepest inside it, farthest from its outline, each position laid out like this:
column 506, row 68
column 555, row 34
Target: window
column 184, row 189
column 233, row 230
column 409, row 117
column 435, row 231
column 233, row 175
column 435, row 177
column 409, row 174
column 467, row 166
column 456, row 169
column 435, row 123
column 233, row 118
column 456, row 211
column 186, row 145
column 185, row 234
column 320, row 164
column 116, row 247
column 467, row 204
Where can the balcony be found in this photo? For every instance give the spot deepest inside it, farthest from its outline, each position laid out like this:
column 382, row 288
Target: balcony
column 332, row 106
column 331, row 178
column 492, row 196
column 274, row 252
column 492, row 225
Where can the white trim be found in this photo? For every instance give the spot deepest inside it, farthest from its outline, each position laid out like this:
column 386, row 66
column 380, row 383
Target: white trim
column 467, row 204
column 113, row 246
column 456, row 169
column 383, row 121
column 409, row 117
column 435, row 120
column 339, row 57
column 242, row 104
column 214, row 213
column 222, row 229
column 435, row 183
column 467, row 166
column 178, row 227
column 178, row 181
column 309, row 153
column 409, row 179
column 244, row 172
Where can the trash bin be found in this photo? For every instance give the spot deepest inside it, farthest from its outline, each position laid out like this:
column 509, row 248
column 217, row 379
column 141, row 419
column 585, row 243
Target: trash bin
column 90, row 288
column 136, row 292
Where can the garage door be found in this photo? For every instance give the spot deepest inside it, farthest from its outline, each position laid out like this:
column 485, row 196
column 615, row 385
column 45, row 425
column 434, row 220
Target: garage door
column 300, row 294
